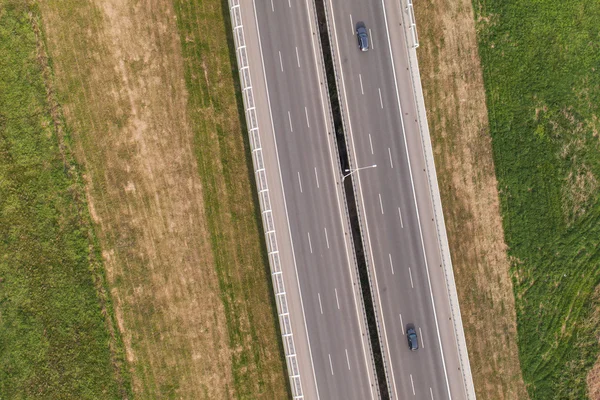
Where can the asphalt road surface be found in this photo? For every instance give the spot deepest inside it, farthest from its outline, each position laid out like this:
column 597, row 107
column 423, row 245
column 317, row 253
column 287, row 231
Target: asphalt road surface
column 294, row 118
column 393, row 199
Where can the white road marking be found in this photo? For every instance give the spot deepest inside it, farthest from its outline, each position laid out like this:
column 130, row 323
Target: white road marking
column 297, row 57
column 347, row 360
column 371, row 36
column 280, row 62
column 409, row 273
column 380, row 100
column 391, row 264
column 299, row 182
column 310, row 243
column 306, row 113
column 361, row 85
column 290, row 119
column 287, row 215
column 320, row 304
column 431, row 393
column 290, row 3
column 336, row 298
column 437, row 327
column 371, row 143
column 401, row 324
column 317, row 177
column 272, row 8
column 400, row 214
column 390, row 153
column 330, row 364
column 421, row 335
column 412, row 384
column 351, row 25
column 326, row 238
column 380, row 203
column 362, row 200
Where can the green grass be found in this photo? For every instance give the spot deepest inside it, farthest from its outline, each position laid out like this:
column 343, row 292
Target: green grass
column 55, row 342
column 540, row 61
column 231, row 205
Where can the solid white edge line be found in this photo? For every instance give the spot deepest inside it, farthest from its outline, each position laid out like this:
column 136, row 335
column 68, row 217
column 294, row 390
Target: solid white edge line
column 285, row 202
column 415, row 199
column 362, row 200
column 336, row 175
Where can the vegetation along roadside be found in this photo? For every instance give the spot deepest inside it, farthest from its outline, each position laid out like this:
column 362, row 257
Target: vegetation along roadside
column 58, row 337
column 540, row 64
column 155, row 119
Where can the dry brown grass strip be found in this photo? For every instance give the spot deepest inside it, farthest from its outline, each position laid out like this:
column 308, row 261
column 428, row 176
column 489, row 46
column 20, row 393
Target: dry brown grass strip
column 457, row 114
column 119, row 71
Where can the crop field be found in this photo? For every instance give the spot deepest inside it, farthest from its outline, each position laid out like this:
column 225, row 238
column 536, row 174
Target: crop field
column 540, row 66
column 58, row 337
column 150, row 102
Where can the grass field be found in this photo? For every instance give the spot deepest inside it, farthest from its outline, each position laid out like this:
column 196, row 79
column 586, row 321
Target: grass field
column 57, row 334
column 457, row 115
column 540, row 66
column 152, row 104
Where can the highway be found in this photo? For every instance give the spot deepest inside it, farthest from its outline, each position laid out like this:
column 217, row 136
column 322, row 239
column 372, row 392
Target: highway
column 394, row 201
column 308, row 204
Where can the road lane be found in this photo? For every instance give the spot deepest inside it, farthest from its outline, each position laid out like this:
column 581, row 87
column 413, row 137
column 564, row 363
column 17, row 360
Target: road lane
column 317, row 221
column 376, row 132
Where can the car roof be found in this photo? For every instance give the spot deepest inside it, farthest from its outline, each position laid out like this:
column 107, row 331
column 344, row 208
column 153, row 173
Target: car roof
column 362, row 29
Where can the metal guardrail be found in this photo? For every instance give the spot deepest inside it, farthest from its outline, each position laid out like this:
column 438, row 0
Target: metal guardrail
column 412, row 23
column 265, row 201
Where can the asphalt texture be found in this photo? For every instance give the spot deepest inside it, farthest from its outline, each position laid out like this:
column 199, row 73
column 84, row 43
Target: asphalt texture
column 310, row 214
column 394, row 202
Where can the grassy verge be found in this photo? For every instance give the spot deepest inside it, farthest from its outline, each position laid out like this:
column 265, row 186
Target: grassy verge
column 540, row 64
column 149, row 90
column 222, row 148
column 56, row 331
column 457, row 115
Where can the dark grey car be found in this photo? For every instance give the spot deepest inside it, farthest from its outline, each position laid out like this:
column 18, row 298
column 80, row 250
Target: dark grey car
column 413, row 341
column 362, row 37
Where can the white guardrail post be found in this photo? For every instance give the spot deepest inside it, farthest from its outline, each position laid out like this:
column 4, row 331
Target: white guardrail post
column 412, row 23
column 264, row 199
